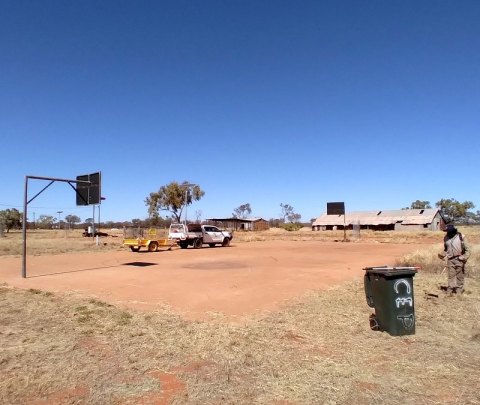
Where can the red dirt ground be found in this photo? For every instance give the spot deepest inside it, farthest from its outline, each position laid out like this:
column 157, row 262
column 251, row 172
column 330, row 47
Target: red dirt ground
column 244, row 279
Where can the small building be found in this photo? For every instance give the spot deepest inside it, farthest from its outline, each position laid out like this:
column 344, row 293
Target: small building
column 240, row 224
column 397, row 220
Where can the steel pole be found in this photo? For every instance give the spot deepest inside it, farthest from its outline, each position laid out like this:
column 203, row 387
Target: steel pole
column 24, row 230
column 59, row 220
column 93, row 221
column 186, row 196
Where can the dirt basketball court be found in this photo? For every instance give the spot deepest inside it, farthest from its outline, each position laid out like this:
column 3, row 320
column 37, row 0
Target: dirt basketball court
column 242, row 280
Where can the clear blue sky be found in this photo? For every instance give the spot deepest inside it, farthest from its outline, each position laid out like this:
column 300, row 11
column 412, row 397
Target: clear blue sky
column 375, row 103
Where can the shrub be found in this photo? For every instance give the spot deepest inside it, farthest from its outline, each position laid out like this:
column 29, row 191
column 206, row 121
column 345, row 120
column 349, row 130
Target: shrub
column 292, row 226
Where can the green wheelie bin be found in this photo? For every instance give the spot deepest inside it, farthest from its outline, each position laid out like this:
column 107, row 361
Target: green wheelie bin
column 390, row 291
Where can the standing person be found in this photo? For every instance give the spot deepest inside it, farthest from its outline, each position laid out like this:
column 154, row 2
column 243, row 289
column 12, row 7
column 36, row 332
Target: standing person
column 456, row 253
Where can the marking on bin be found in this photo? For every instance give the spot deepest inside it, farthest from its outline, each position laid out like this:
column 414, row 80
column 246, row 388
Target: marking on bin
column 402, row 281
column 407, row 320
column 402, row 301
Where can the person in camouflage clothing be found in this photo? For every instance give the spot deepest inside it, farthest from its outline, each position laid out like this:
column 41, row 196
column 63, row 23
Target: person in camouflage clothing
column 455, row 253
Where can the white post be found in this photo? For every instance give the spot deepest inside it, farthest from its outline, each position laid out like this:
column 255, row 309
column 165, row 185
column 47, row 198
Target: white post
column 93, row 220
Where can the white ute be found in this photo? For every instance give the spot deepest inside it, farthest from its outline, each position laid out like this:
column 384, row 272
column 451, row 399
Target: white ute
column 197, row 235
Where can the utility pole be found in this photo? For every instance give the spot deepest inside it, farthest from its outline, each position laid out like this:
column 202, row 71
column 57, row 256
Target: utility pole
column 93, row 221
column 187, row 187
column 59, row 212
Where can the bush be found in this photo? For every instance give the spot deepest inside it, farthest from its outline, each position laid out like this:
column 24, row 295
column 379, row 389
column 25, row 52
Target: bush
column 292, row 227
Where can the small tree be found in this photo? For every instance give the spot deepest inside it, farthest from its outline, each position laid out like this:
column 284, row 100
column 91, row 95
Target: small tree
column 157, row 222
column 242, row 211
column 275, row 222
column 453, row 210
column 287, row 210
column 173, row 197
column 46, row 221
column 294, row 218
column 288, row 214
column 11, row 218
column 419, row 205
column 136, row 222
column 71, row 220
column 473, row 218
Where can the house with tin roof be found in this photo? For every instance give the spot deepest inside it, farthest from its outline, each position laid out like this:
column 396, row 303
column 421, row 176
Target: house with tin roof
column 390, row 220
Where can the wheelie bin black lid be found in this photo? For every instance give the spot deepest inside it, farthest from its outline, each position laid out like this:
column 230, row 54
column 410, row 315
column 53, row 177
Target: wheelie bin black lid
column 391, row 271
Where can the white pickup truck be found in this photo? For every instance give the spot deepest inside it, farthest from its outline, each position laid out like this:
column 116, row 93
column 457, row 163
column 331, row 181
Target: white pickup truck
column 197, row 235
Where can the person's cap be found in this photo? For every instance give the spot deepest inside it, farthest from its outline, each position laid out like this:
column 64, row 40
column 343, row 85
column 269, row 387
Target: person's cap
column 450, row 228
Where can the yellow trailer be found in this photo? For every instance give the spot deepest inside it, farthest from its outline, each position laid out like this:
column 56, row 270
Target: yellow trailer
column 151, row 239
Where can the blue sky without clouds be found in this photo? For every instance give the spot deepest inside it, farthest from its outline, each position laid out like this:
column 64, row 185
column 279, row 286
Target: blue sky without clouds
column 375, row 103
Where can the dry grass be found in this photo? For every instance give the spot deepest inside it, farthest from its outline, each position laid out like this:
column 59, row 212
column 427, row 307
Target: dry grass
column 306, row 234
column 428, row 261
column 318, row 349
column 44, row 242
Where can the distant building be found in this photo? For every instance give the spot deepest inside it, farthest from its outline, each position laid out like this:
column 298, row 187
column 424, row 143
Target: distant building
column 398, row 220
column 240, row 224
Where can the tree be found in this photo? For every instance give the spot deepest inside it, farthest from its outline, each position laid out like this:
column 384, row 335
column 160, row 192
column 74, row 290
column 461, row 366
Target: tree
column 71, row 220
column 294, row 218
column 45, row 221
column 453, row 210
column 473, row 218
column 418, row 205
column 242, row 211
column 275, row 222
column 287, row 210
column 136, row 222
column 173, row 197
column 11, row 218
column 156, row 222
column 289, row 214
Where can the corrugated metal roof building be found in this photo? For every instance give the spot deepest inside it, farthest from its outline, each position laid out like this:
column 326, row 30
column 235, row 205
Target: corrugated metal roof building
column 398, row 220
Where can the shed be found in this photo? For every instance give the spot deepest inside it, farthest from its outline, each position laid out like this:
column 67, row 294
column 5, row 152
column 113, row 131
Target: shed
column 390, row 220
column 241, row 224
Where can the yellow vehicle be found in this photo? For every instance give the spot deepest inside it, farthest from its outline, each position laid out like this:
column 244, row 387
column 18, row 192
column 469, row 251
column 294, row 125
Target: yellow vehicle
column 151, row 239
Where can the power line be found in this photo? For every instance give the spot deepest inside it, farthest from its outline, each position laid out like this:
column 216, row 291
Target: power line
column 43, row 208
column 11, row 205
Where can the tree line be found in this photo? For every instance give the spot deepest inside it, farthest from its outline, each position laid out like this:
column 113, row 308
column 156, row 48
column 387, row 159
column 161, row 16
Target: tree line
column 174, row 198
column 451, row 210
